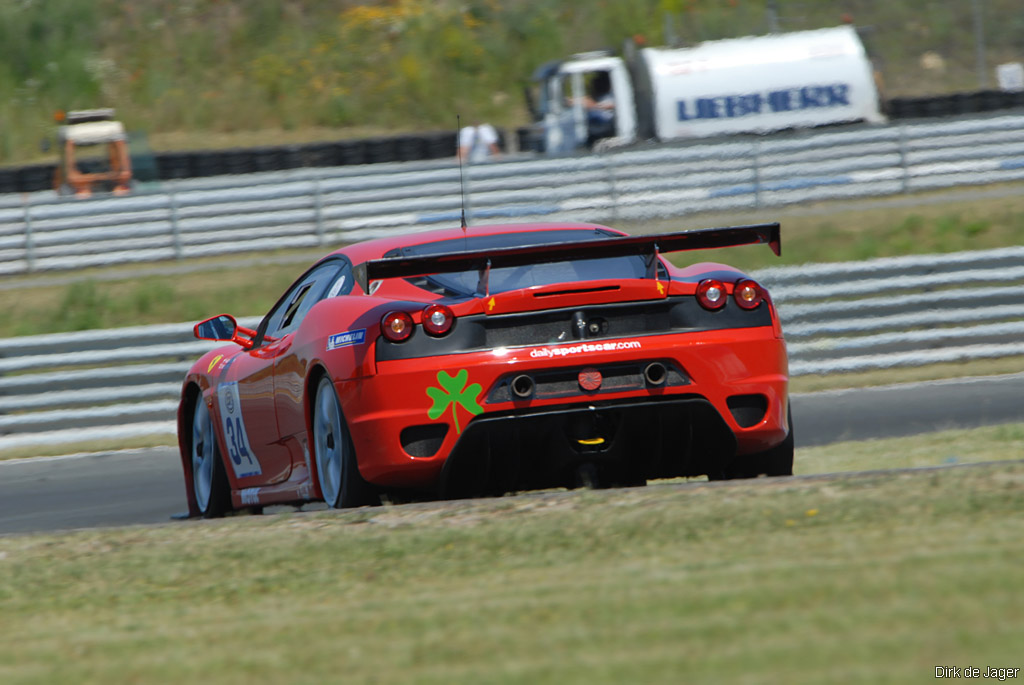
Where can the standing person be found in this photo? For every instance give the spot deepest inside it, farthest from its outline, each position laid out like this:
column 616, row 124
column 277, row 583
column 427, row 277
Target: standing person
column 600, row 105
column 478, row 143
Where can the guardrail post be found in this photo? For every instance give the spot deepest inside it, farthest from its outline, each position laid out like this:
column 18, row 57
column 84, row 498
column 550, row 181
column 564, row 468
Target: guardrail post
column 904, row 164
column 757, row 175
column 318, row 211
column 613, row 189
column 30, row 257
column 467, row 206
column 175, row 229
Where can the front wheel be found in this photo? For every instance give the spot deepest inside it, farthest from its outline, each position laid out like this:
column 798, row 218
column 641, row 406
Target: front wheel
column 209, row 479
column 337, row 471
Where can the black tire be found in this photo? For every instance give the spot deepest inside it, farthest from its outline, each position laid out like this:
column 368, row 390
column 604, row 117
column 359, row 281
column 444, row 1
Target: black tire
column 209, row 481
column 337, row 470
column 777, row 461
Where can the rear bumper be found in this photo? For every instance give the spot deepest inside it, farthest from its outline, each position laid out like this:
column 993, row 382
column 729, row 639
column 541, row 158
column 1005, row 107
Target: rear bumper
column 623, row 442
column 403, row 440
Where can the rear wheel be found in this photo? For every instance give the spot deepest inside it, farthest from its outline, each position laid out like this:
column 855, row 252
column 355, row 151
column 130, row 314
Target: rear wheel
column 777, row 461
column 209, row 480
column 337, row 471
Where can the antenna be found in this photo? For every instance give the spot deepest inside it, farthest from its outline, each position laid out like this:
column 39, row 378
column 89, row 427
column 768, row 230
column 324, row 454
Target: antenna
column 462, row 181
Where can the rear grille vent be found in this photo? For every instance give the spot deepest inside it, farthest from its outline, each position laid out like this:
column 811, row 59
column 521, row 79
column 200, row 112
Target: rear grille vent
column 564, row 382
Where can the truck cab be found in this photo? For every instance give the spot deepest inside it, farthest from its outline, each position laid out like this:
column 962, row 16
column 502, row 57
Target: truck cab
column 584, row 101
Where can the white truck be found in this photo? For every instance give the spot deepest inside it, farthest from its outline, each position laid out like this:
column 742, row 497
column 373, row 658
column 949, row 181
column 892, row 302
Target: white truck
column 755, row 84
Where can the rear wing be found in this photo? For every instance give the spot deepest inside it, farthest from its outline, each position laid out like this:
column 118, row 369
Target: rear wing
column 648, row 246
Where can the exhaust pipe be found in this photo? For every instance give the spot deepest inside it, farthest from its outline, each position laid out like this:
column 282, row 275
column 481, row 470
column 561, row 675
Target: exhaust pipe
column 522, row 386
column 655, row 374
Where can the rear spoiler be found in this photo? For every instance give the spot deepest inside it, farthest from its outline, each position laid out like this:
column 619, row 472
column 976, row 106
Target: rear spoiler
column 648, row 246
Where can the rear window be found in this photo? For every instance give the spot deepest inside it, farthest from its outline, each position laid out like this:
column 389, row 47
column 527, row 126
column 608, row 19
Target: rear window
column 464, row 283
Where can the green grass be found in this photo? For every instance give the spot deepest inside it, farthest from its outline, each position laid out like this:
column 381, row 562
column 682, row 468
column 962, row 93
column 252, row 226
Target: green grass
column 868, row 579
column 89, row 303
column 990, row 443
column 923, row 223
column 189, row 73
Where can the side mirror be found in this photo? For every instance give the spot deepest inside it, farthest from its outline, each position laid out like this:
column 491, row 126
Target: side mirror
column 224, row 327
column 221, row 327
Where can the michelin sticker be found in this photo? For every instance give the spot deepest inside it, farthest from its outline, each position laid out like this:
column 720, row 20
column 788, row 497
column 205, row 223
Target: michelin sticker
column 345, row 339
column 243, row 461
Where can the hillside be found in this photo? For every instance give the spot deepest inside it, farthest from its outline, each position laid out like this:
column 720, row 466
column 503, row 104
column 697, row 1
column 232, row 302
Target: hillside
column 212, row 73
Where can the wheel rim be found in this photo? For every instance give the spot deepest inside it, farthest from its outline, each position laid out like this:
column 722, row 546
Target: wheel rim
column 329, row 443
column 202, row 455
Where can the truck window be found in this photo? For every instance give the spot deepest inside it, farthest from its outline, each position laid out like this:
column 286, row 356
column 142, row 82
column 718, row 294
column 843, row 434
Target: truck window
column 600, row 103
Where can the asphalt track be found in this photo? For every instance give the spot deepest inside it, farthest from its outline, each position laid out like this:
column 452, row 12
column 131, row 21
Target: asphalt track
column 146, row 486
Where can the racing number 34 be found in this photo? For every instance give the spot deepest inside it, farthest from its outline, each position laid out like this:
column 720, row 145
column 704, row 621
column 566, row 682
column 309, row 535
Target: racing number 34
column 236, row 448
column 243, row 461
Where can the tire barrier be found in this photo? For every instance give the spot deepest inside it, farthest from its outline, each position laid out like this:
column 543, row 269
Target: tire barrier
column 954, row 104
column 169, row 166
column 9, row 180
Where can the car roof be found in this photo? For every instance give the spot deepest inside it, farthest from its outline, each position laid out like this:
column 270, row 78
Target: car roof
column 375, row 249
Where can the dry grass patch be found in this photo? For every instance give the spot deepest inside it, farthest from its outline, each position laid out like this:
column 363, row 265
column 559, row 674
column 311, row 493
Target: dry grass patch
column 870, row 579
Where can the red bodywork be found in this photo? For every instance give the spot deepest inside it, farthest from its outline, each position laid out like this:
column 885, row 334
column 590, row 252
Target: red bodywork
column 709, row 371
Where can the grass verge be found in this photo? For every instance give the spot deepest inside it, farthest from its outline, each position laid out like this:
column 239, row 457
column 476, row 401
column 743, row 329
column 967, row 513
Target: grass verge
column 88, row 447
column 866, row 579
column 990, row 443
column 837, row 231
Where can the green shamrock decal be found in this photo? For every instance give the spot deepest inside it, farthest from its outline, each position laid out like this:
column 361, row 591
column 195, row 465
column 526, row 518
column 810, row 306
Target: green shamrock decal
column 453, row 392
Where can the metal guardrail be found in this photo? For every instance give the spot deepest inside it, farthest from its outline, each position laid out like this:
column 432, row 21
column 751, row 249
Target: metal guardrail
column 900, row 311
column 877, row 314
column 316, row 206
column 92, row 385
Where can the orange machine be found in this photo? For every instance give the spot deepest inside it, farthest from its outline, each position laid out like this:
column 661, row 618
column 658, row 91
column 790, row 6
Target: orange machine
column 88, row 128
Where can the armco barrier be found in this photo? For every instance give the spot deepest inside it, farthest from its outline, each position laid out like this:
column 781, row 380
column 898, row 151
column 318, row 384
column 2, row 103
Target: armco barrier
column 877, row 314
column 319, row 206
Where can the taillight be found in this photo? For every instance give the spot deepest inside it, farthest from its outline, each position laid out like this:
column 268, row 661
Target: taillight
column 747, row 293
column 396, row 326
column 711, row 294
column 437, row 319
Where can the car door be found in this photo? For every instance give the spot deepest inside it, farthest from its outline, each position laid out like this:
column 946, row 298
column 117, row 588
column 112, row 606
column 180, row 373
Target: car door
column 254, row 431
column 245, row 397
column 291, row 367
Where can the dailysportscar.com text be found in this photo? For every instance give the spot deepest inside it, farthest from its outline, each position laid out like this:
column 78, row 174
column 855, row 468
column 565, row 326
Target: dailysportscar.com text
column 584, row 348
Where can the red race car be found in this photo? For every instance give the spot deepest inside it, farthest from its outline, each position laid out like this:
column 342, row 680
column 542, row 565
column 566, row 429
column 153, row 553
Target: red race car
column 462, row 363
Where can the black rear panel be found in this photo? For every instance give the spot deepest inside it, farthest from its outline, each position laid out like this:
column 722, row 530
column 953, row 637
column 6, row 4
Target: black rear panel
column 622, row 442
column 574, row 324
